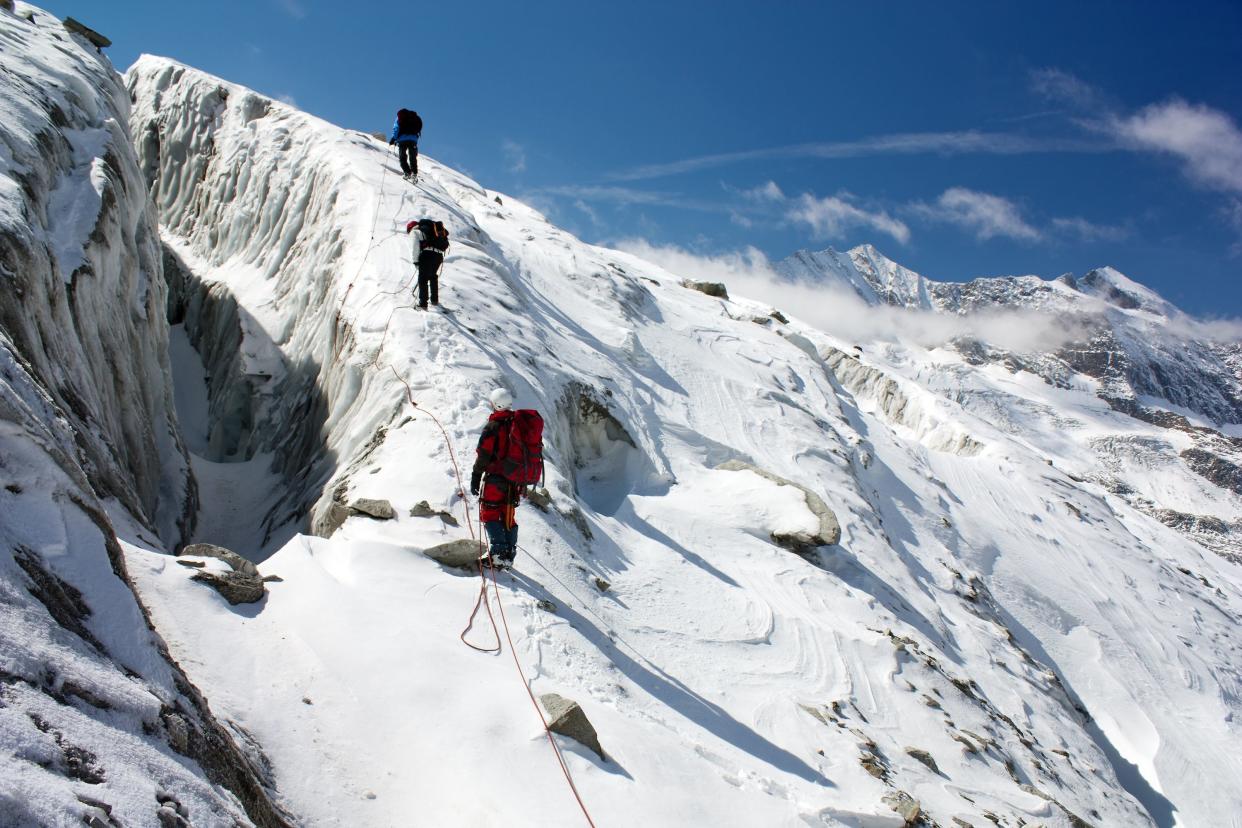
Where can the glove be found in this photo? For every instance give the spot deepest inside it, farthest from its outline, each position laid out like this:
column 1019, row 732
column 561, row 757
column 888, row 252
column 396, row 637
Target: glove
column 474, row 485
column 391, row 142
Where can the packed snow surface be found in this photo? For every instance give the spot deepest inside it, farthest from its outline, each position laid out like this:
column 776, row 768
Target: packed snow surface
column 993, row 634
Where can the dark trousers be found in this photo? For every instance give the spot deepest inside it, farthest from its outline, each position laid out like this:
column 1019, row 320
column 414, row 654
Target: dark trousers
column 407, row 151
column 429, row 277
column 504, row 541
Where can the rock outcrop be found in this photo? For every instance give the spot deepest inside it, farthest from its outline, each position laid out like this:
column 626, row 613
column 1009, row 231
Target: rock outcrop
column 803, row 543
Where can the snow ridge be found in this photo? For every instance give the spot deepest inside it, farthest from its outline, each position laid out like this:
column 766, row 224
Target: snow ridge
column 978, row 610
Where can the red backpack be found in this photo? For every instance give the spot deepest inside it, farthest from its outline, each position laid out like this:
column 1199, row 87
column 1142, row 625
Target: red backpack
column 519, row 448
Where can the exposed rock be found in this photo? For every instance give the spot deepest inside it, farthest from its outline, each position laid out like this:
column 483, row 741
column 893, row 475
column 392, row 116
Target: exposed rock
column 906, row 806
column 423, row 509
column 192, row 564
column 208, row 550
column 541, row 499
column 715, row 289
column 1214, row 468
column 779, row 317
column 63, row 601
column 924, row 757
column 546, row 605
column 178, row 732
column 803, row 543
column 234, row 586
column 96, row 39
column 378, row 509
column 7, row 5
column 566, row 717
column 602, row 585
column 462, row 553
column 331, row 519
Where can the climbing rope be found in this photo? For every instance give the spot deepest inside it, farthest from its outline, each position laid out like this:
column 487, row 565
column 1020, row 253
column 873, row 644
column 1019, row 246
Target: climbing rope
column 560, row 757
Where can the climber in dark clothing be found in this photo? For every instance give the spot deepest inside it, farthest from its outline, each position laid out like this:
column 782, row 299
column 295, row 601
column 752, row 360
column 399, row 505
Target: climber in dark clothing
column 406, row 131
column 500, row 496
column 429, row 246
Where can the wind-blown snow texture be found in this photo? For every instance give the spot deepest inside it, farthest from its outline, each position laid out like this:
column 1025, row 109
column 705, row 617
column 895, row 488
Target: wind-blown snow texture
column 1061, row 657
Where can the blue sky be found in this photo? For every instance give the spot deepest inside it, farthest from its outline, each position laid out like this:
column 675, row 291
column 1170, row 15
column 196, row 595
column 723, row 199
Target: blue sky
column 962, row 139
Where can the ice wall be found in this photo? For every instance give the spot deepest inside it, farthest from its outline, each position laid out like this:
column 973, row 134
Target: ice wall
column 81, row 291
column 99, row 725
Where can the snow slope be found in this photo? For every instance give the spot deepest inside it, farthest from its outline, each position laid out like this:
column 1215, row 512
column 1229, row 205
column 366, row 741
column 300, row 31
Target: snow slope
column 994, row 635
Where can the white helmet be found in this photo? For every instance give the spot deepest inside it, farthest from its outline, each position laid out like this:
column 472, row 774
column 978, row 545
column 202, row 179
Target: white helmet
column 501, row 399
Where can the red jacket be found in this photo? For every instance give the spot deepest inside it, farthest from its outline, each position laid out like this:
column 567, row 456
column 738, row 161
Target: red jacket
column 498, row 493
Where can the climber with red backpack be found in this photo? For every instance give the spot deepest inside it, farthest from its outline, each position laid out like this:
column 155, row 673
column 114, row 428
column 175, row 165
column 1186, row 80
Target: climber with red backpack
column 406, row 131
column 431, row 242
column 509, row 458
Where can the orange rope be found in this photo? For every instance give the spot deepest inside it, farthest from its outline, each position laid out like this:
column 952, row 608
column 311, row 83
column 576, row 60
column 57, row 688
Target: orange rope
column 560, row 758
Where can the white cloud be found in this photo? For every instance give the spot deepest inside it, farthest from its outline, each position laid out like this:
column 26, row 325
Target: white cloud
column 293, row 8
column 1058, row 85
column 839, row 311
column 589, row 211
column 1207, row 141
column 906, row 143
column 986, row 215
column 765, row 192
column 515, row 156
column 831, row 217
column 1089, row 231
column 287, row 99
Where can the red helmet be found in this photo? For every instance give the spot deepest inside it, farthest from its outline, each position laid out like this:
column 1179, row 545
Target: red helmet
column 410, row 225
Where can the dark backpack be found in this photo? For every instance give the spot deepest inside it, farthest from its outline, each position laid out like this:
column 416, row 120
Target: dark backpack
column 408, row 122
column 519, row 448
column 435, row 235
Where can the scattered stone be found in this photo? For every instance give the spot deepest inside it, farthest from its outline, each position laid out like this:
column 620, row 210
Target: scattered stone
column 601, row 584
column 969, row 745
column 930, row 702
column 192, row 564
column 539, row 498
column 96, row 39
column 307, row 700
column 566, row 717
column 779, row 317
column 208, row 550
column 961, row 823
column 87, row 800
column 234, row 586
column 370, row 794
column 422, row 509
column 873, row 765
column 13, row 488
column 715, row 289
column 906, row 806
column 273, row 579
column 378, row 509
column 462, row 553
column 924, row 757
column 498, row 201
column 546, row 605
